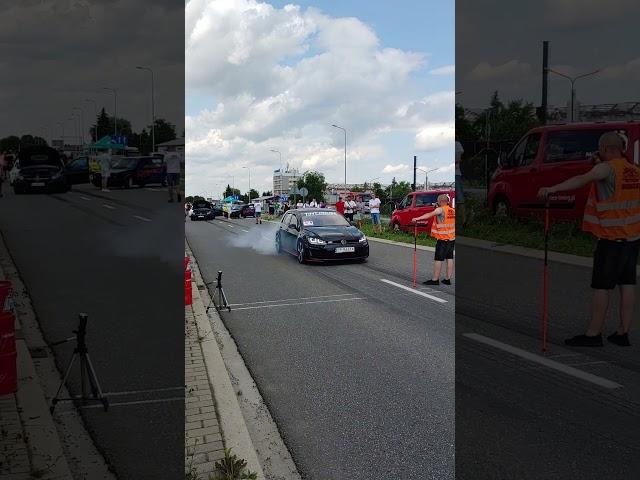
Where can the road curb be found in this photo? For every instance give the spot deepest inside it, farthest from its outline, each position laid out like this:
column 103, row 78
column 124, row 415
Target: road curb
column 232, row 423
column 556, row 257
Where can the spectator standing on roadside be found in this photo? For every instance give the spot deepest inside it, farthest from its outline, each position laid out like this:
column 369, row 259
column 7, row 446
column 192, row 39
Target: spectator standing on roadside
column 172, row 160
column 374, row 208
column 359, row 212
column 3, row 172
column 350, row 208
column 105, row 169
column 257, row 207
column 458, row 178
column 340, row 206
column 612, row 214
column 443, row 229
column 313, row 203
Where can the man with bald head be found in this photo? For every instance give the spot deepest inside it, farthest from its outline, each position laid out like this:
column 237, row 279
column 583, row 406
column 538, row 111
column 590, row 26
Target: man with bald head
column 612, row 214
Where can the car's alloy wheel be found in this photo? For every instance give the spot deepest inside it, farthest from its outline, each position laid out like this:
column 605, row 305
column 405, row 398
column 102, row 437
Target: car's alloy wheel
column 501, row 208
column 396, row 227
column 301, row 253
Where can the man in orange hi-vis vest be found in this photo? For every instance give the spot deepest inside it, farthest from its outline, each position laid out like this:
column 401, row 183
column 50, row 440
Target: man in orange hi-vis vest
column 443, row 230
column 612, row 214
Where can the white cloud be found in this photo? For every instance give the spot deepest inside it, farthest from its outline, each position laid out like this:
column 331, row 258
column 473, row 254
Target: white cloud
column 445, row 70
column 396, row 168
column 281, row 77
column 436, row 136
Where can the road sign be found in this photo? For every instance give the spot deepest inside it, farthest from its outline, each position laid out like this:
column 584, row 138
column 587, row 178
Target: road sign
column 294, row 191
column 304, row 192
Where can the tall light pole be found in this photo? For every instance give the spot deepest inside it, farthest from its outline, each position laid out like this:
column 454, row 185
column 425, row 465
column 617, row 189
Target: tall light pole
column 345, row 154
column 62, row 136
column 74, row 119
column 153, row 111
column 249, row 170
column 81, row 125
column 426, row 175
column 95, row 114
column 573, row 84
column 115, row 109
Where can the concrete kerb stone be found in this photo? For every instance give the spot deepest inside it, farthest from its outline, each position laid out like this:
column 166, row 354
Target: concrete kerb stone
column 46, row 457
column 232, row 423
column 556, row 257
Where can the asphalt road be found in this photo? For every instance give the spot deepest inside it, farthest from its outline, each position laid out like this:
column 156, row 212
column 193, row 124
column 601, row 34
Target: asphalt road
column 117, row 257
column 518, row 416
column 356, row 372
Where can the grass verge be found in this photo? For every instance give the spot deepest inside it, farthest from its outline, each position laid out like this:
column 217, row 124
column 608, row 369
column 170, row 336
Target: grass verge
column 564, row 237
column 388, row 234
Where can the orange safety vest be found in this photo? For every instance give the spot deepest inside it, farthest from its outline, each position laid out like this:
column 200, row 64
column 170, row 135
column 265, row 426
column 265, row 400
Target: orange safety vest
column 444, row 225
column 617, row 217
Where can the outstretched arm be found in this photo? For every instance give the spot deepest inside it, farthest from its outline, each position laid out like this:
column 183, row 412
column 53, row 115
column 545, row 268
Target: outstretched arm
column 599, row 172
column 427, row 216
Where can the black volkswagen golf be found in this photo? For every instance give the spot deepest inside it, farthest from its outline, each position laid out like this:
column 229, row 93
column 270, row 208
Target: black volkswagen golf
column 318, row 234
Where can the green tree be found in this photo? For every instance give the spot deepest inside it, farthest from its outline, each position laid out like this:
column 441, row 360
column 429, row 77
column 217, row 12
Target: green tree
column 165, row 131
column 254, row 194
column 268, row 193
column 10, row 144
column 104, row 124
column 231, row 191
column 315, row 183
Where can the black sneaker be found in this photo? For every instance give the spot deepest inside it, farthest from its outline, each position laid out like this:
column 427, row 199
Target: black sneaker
column 584, row 341
column 431, row 282
column 446, row 282
column 620, row 340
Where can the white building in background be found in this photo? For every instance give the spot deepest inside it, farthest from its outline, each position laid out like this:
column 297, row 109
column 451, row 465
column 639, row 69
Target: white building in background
column 284, row 180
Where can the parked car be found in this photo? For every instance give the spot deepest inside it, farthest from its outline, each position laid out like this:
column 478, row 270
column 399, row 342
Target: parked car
column 414, row 205
column 241, row 210
column 40, row 169
column 202, row 211
column 128, row 172
column 549, row 155
column 248, row 211
column 318, row 234
column 217, row 209
column 77, row 171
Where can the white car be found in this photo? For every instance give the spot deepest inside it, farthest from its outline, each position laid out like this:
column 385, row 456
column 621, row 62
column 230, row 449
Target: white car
column 14, row 172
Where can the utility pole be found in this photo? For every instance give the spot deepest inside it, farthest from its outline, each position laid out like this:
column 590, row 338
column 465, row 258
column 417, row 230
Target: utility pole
column 545, row 80
column 415, row 167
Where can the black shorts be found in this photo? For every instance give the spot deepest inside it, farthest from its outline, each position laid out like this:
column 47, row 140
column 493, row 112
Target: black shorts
column 614, row 263
column 444, row 250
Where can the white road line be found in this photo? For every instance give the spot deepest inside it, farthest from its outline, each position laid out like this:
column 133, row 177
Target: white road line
column 110, row 207
column 144, row 219
column 230, row 226
column 244, row 230
column 299, row 303
column 417, row 292
column 293, row 299
column 139, row 402
column 532, row 357
column 153, row 189
column 85, row 198
column 136, row 392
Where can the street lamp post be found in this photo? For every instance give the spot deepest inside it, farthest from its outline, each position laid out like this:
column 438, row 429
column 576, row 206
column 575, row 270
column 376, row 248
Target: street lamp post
column 62, row 136
column 345, row 154
column 95, row 114
column 249, row 170
column 81, row 125
column 74, row 119
column 115, row 109
column 153, row 110
column 573, row 84
column 426, row 175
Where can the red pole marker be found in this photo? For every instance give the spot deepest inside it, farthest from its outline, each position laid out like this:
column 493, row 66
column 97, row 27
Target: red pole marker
column 545, row 281
column 415, row 253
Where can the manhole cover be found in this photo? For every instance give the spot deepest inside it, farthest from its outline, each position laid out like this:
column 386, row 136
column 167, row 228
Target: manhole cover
column 38, row 352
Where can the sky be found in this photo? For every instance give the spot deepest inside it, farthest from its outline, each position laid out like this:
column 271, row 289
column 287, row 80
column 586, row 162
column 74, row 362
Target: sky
column 55, row 54
column 499, row 47
column 275, row 76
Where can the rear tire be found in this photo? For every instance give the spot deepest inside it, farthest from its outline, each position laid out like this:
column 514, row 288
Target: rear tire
column 395, row 226
column 501, row 207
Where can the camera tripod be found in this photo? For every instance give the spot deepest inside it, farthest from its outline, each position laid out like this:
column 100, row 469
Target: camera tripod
column 222, row 298
column 86, row 369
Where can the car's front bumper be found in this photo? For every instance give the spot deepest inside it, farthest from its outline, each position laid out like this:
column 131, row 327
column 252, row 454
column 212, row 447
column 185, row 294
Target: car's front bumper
column 58, row 183
column 328, row 252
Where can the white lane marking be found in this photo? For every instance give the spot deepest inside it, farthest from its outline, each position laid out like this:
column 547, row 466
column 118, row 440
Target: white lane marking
column 532, row 357
column 153, row 189
column 230, row 226
column 293, row 299
column 144, row 219
column 417, row 292
column 244, row 230
column 136, row 392
column 110, row 207
column 85, row 198
column 138, row 402
column 587, row 363
column 299, row 303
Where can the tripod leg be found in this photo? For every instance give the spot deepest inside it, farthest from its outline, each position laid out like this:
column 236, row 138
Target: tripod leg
column 83, row 375
column 64, row 380
column 94, row 380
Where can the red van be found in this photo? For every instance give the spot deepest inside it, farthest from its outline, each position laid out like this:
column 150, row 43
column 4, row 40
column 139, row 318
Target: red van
column 548, row 155
column 416, row 204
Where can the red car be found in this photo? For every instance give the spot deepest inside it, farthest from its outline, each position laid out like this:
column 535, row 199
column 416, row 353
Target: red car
column 548, row 155
column 416, row 204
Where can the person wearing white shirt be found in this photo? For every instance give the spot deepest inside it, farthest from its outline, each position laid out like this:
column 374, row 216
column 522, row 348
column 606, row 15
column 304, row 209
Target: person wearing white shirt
column 258, row 209
column 105, row 169
column 172, row 160
column 313, row 203
column 374, row 207
column 299, row 204
column 349, row 208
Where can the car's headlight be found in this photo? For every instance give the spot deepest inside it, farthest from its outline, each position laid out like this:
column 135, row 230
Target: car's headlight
column 362, row 239
column 316, row 241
